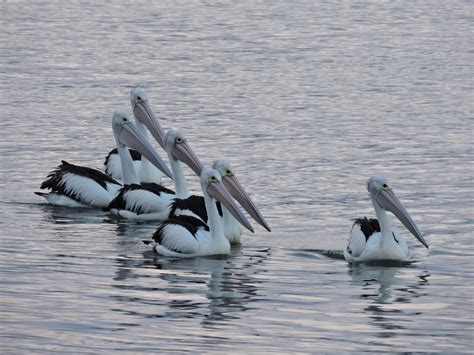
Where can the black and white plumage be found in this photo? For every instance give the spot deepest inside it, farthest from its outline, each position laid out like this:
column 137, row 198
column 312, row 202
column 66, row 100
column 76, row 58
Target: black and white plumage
column 145, row 172
column 193, row 206
column 76, row 186
column 113, row 166
column 375, row 239
column 144, row 203
column 176, row 146
column 368, row 226
column 145, row 121
column 170, row 233
column 188, row 236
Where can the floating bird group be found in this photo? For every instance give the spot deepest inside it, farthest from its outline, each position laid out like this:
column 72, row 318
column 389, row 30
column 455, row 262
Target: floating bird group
column 77, row 186
column 130, row 187
column 198, row 225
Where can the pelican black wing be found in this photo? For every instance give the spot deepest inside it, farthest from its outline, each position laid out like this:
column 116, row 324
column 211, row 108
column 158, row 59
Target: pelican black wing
column 120, row 201
column 194, row 204
column 192, row 224
column 368, row 226
column 135, row 155
column 54, row 180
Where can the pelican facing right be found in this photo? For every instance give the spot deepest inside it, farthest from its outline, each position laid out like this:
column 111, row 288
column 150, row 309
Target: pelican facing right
column 375, row 239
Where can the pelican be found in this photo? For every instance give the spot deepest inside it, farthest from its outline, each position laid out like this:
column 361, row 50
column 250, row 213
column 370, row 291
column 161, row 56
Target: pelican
column 151, row 207
column 146, row 172
column 76, row 186
column 373, row 239
column 113, row 166
column 153, row 201
column 186, row 236
column 194, row 205
column 233, row 229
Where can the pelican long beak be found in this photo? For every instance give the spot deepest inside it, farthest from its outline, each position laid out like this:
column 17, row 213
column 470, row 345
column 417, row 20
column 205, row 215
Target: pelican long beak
column 144, row 113
column 218, row 191
column 131, row 137
column 390, row 202
column 184, row 153
column 238, row 192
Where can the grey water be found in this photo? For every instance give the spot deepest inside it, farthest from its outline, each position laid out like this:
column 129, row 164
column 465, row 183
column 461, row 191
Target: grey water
column 307, row 100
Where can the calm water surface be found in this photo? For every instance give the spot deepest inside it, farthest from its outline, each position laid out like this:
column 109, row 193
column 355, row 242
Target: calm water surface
column 307, row 100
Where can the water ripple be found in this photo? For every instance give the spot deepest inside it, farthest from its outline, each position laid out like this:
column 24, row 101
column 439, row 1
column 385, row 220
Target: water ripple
column 307, row 100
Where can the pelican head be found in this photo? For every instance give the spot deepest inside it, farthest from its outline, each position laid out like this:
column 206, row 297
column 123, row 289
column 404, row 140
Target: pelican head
column 144, row 114
column 211, row 183
column 138, row 95
column 178, row 148
column 127, row 134
column 237, row 191
column 382, row 195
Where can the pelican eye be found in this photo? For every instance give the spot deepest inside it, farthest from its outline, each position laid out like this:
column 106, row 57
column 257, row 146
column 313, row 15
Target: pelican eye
column 228, row 172
column 213, row 179
column 179, row 140
column 125, row 119
column 385, row 186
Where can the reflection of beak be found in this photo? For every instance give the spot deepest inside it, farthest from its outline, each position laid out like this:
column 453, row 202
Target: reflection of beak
column 238, row 192
column 390, row 202
column 219, row 192
column 131, row 137
column 145, row 115
column 184, row 153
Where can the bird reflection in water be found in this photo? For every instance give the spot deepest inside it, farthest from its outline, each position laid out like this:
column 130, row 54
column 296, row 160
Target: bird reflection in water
column 387, row 290
column 230, row 282
column 213, row 289
column 128, row 245
column 66, row 215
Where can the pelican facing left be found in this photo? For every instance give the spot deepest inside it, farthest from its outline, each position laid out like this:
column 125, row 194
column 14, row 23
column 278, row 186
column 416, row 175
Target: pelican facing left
column 76, row 186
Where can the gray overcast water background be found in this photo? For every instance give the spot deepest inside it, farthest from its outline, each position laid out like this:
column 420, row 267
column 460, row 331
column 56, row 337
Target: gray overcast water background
column 307, row 99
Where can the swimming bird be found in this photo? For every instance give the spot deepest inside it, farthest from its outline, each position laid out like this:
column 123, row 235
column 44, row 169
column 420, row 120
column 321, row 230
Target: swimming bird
column 194, row 205
column 187, row 236
column 146, row 172
column 152, row 201
column 76, row 186
column 151, row 207
column 375, row 239
column 233, row 229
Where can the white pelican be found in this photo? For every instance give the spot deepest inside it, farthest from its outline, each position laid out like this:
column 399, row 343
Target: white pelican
column 145, row 117
column 152, row 201
column 233, row 229
column 194, row 205
column 186, row 236
column 151, row 206
column 373, row 239
column 77, row 186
